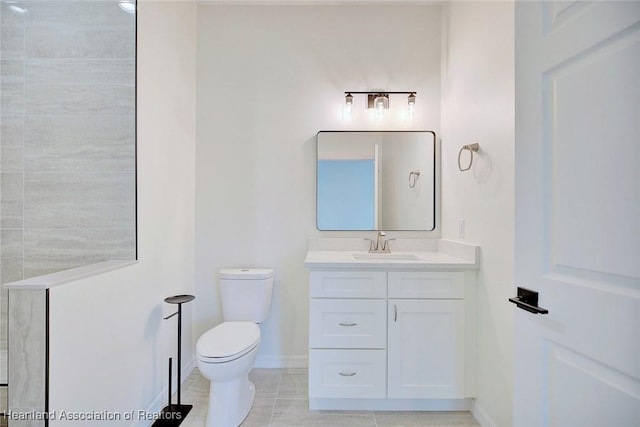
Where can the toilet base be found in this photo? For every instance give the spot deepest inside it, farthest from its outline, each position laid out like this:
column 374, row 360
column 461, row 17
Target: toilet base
column 172, row 415
column 230, row 402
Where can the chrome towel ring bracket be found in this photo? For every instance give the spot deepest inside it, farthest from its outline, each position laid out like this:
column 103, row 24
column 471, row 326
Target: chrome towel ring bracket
column 472, row 148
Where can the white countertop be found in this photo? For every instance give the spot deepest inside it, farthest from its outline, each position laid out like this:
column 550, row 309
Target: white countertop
column 432, row 255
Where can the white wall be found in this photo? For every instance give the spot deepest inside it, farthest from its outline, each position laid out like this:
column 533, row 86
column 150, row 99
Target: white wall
column 478, row 106
column 269, row 78
column 109, row 344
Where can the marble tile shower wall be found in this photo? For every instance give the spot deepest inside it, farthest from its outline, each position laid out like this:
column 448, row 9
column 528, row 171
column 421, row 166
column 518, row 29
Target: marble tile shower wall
column 67, row 158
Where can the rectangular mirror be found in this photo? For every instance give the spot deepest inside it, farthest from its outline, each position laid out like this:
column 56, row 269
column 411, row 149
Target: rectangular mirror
column 376, row 180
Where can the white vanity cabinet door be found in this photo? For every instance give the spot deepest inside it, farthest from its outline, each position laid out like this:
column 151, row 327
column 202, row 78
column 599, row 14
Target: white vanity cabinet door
column 426, row 349
column 348, row 284
column 347, row 374
column 347, row 323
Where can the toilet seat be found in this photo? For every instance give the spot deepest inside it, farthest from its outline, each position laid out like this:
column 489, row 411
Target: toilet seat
column 228, row 341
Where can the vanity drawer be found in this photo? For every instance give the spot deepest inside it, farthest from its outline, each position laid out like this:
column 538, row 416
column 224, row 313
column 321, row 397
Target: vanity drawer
column 422, row 284
column 348, row 284
column 347, row 373
column 335, row 323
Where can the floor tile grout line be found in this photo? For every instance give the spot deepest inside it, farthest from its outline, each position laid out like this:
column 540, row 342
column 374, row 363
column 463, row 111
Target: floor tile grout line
column 275, row 401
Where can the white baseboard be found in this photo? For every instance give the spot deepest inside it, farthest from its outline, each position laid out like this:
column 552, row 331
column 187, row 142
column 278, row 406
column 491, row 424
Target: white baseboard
column 481, row 415
column 338, row 404
column 188, row 368
column 281, row 362
column 155, row 407
column 160, row 401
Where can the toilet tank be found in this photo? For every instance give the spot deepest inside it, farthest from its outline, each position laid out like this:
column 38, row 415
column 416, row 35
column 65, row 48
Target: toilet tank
column 246, row 293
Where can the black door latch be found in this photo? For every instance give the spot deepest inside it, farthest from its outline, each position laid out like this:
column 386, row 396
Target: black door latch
column 528, row 300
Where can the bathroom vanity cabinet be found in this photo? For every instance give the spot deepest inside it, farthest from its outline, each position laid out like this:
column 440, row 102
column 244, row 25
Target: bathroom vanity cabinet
column 391, row 335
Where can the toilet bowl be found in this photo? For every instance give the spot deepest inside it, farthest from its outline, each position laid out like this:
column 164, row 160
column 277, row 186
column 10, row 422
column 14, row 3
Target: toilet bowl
column 226, row 353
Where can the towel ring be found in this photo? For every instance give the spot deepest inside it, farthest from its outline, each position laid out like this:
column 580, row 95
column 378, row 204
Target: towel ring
column 472, row 148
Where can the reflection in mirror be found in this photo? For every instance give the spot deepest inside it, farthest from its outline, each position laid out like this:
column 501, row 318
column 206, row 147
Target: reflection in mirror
column 370, row 180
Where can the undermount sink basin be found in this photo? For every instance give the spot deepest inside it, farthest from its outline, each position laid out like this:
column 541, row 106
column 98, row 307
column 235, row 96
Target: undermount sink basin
column 386, row 256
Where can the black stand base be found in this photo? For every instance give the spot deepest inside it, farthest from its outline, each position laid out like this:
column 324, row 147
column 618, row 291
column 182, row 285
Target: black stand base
column 172, row 416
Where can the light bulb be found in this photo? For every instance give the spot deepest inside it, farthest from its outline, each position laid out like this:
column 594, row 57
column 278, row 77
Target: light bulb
column 347, row 111
column 380, row 104
column 411, row 105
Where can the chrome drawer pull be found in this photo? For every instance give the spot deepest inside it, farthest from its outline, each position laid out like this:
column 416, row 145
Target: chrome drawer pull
column 347, row 374
column 347, row 324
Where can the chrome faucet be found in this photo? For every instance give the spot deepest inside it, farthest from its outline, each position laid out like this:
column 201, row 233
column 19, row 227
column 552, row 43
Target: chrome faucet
column 380, row 244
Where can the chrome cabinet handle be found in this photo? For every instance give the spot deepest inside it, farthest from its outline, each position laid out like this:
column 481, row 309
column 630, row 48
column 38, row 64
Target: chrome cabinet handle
column 347, row 324
column 347, row 374
column 395, row 313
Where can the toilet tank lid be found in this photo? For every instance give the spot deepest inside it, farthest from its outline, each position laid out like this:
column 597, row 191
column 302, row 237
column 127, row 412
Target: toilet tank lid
column 245, row 273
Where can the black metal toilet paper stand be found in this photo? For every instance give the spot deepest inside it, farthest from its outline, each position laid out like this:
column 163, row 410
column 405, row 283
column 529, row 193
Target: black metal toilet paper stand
column 173, row 414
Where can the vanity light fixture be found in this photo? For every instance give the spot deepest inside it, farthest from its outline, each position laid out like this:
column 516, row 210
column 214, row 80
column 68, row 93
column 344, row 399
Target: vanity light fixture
column 379, row 101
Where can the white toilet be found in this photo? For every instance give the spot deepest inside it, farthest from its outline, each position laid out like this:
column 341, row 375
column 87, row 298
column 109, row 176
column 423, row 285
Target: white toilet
column 225, row 354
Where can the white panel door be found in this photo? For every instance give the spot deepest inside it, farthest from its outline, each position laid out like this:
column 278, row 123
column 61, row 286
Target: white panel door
column 578, row 213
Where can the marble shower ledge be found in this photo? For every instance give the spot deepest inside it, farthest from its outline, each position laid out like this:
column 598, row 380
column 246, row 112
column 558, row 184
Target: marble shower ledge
column 433, row 254
column 61, row 277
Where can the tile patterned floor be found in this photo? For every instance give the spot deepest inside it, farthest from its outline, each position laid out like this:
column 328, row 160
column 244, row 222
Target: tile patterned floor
column 281, row 401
